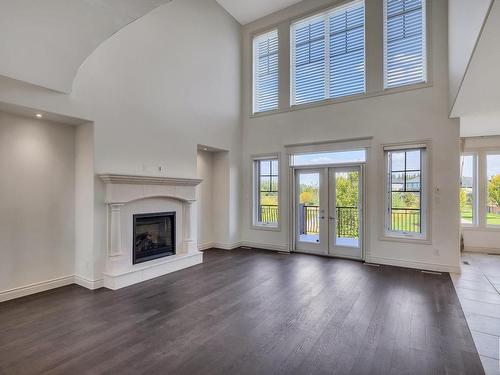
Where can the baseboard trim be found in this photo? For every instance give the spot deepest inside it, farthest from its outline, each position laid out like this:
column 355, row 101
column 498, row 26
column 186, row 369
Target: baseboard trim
column 89, row 284
column 266, row 246
column 36, row 288
column 205, row 246
column 227, row 245
column 484, row 250
column 413, row 264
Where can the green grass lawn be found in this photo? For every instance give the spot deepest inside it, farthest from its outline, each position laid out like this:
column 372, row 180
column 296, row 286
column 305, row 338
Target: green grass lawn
column 492, row 219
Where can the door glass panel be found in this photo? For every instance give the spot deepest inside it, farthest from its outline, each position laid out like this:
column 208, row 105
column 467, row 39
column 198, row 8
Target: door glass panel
column 347, row 209
column 493, row 208
column 309, row 207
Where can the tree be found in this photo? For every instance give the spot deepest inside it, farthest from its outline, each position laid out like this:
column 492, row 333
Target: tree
column 463, row 200
column 347, row 189
column 494, row 190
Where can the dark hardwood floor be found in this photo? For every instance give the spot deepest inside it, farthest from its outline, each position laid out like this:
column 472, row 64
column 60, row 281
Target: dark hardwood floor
column 246, row 312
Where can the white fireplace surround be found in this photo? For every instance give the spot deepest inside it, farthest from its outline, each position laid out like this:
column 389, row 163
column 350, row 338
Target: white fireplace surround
column 128, row 195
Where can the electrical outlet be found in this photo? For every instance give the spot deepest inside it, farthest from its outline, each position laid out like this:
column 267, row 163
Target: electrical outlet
column 153, row 169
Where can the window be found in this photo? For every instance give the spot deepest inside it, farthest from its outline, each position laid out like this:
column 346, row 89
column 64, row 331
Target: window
column 493, row 192
column 266, row 192
column 328, row 54
column 404, row 42
column 333, row 157
column 468, row 191
column 265, row 72
column 405, row 203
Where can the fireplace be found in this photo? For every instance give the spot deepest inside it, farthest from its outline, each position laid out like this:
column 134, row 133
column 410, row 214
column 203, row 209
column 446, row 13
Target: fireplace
column 154, row 236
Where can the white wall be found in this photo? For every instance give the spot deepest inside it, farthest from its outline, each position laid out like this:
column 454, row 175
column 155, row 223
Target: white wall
column 163, row 85
column 420, row 114
column 466, row 18
column 155, row 92
column 37, row 163
column 84, row 203
column 480, row 125
column 204, row 196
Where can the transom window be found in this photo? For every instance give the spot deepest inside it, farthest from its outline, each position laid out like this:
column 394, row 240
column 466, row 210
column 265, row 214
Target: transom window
column 266, row 192
column 405, row 192
column 404, row 42
column 265, row 72
column 328, row 54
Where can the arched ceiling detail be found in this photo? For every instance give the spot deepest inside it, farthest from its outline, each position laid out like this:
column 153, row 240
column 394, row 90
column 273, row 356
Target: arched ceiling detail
column 45, row 42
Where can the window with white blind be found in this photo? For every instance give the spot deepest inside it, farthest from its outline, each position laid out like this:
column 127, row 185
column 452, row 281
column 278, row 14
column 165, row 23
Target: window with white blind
column 265, row 72
column 404, row 42
column 328, row 54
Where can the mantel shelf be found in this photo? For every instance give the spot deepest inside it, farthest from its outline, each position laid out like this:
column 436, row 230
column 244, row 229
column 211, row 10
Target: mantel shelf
column 148, row 180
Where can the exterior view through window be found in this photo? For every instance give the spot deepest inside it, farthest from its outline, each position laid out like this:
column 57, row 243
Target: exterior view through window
column 405, row 191
column 467, row 191
column 309, row 203
column 493, row 204
column 267, row 176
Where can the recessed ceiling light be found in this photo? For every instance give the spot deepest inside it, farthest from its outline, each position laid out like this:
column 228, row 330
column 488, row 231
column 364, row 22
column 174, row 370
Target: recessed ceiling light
column 205, row 149
column 39, row 115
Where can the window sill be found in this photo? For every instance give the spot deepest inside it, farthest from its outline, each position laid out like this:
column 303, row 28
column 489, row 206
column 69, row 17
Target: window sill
column 412, row 240
column 271, row 228
column 477, row 228
column 345, row 99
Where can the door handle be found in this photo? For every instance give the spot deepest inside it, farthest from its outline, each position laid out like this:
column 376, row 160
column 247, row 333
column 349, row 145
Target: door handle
column 322, row 218
column 332, row 218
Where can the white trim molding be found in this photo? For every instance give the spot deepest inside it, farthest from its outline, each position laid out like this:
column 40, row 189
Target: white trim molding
column 87, row 283
column 36, row 288
column 413, row 264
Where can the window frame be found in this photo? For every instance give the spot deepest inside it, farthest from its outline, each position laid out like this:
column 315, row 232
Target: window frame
column 325, row 16
column 486, row 193
column 255, row 201
column 255, row 81
column 475, row 189
column 425, row 49
column 425, row 218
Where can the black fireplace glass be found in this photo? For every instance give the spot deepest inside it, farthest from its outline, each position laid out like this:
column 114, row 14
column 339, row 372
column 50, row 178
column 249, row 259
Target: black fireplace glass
column 154, row 236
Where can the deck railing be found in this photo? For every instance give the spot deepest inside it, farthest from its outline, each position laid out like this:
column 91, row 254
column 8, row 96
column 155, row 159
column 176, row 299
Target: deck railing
column 406, row 219
column 347, row 221
column 403, row 219
column 268, row 214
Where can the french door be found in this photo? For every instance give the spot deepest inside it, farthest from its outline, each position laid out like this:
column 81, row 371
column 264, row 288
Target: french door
column 329, row 211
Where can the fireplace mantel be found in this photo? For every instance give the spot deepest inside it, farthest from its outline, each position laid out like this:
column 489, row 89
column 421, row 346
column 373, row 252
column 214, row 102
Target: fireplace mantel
column 127, row 188
column 148, row 180
column 126, row 191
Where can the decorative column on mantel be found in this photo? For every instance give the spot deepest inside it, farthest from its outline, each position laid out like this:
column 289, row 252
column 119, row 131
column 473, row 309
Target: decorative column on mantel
column 115, row 233
column 189, row 239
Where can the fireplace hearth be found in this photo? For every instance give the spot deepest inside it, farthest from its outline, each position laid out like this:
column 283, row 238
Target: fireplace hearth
column 154, row 236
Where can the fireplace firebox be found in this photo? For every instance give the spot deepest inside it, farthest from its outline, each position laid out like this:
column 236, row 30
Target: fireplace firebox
column 154, row 236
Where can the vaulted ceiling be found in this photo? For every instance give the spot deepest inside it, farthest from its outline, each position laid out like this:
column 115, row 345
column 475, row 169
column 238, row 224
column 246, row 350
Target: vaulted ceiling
column 45, row 42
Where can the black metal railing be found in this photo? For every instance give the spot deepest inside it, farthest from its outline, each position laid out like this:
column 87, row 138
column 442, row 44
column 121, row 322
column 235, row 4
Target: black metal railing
column 309, row 219
column 406, row 220
column 403, row 219
column 268, row 214
column 347, row 222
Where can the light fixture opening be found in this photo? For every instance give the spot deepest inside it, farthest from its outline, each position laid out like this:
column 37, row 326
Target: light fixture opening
column 39, row 115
